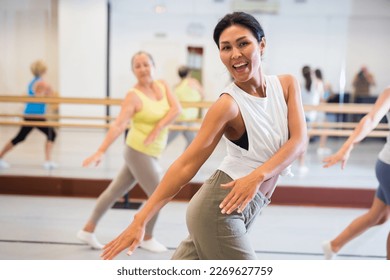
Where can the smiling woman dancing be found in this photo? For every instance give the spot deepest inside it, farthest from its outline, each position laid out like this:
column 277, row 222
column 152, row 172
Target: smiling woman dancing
column 262, row 120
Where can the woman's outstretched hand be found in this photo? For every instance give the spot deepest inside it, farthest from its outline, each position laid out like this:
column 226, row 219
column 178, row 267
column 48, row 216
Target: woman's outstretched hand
column 341, row 155
column 130, row 238
column 96, row 158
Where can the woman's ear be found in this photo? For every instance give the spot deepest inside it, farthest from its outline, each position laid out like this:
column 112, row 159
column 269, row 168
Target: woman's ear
column 262, row 46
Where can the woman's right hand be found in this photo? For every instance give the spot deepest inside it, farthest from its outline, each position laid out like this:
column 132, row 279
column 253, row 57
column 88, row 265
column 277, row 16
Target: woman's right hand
column 130, row 238
column 341, row 155
column 96, row 158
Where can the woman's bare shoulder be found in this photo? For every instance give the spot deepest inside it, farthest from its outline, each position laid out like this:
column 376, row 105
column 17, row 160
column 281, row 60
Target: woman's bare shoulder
column 224, row 107
column 289, row 84
column 287, row 79
column 131, row 96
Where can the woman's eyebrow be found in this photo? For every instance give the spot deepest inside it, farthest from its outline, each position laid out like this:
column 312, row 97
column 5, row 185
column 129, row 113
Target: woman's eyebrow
column 238, row 39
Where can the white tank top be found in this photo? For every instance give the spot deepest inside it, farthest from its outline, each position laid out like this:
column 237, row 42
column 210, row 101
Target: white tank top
column 266, row 124
column 384, row 154
column 312, row 97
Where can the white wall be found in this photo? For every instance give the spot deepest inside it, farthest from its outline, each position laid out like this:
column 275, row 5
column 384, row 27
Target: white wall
column 82, row 33
column 322, row 34
column 319, row 33
column 369, row 41
column 311, row 33
column 136, row 27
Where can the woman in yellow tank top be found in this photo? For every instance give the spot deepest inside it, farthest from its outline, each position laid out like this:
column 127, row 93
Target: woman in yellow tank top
column 187, row 90
column 151, row 108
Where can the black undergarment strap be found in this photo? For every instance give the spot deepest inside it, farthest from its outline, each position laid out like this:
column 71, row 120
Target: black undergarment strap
column 243, row 141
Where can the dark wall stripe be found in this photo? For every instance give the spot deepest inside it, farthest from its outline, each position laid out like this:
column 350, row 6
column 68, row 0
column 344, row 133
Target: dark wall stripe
column 283, row 195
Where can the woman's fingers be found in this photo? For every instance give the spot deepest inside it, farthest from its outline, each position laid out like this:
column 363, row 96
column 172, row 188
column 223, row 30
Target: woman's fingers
column 237, row 199
column 86, row 162
column 332, row 160
column 132, row 248
column 112, row 249
column 92, row 159
column 244, row 204
column 232, row 206
column 129, row 238
column 233, row 201
column 329, row 161
column 343, row 163
column 228, row 185
column 227, row 202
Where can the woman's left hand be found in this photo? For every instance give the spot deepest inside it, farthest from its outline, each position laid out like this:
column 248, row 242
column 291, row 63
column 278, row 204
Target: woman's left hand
column 152, row 136
column 242, row 192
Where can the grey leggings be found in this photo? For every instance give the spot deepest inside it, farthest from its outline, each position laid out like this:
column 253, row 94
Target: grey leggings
column 138, row 167
column 216, row 236
column 188, row 135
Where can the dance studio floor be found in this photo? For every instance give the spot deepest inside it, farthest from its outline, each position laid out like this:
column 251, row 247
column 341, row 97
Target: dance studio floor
column 40, row 228
column 44, row 228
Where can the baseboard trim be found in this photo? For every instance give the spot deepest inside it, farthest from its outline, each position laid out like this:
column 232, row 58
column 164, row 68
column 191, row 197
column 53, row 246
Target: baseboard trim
column 283, row 195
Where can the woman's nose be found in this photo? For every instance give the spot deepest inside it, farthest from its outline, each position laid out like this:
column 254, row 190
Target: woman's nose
column 235, row 53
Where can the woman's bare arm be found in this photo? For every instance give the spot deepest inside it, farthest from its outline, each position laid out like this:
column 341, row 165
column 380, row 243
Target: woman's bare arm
column 365, row 126
column 178, row 175
column 128, row 109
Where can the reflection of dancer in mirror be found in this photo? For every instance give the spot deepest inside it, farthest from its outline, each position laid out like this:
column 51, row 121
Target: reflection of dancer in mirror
column 380, row 208
column 151, row 107
column 310, row 96
column 325, row 91
column 34, row 112
column 187, row 90
column 362, row 83
column 262, row 121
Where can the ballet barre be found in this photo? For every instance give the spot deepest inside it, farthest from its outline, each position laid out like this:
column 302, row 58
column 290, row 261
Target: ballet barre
column 350, row 108
column 341, row 129
column 85, row 101
column 381, row 126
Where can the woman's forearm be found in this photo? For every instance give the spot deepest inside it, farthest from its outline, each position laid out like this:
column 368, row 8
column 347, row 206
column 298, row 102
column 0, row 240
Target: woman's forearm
column 281, row 159
column 169, row 118
column 177, row 176
column 112, row 134
column 365, row 126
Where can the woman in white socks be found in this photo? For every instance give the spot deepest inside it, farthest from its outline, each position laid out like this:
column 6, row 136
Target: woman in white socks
column 262, row 120
column 379, row 212
column 151, row 107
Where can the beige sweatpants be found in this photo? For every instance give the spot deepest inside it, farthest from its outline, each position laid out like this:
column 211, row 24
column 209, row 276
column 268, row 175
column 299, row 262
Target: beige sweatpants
column 216, row 236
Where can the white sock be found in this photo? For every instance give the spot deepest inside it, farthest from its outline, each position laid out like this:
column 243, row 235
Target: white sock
column 153, row 245
column 328, row 252
column 50, row 165
column 90, row 239
column 4, row 164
